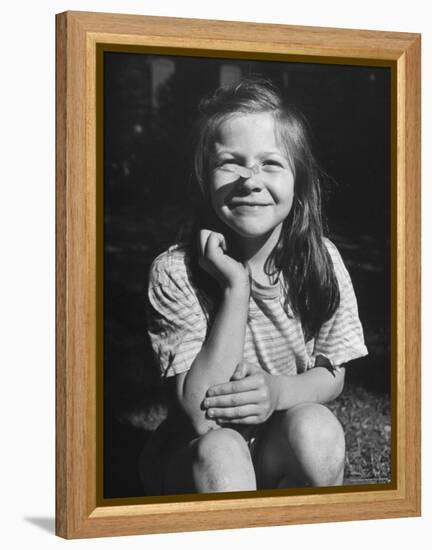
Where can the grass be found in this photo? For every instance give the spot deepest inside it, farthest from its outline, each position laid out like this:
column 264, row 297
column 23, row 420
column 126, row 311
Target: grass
column 365, row 417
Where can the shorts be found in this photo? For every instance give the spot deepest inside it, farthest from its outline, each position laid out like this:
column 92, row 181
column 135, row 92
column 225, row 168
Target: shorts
column 254, row 440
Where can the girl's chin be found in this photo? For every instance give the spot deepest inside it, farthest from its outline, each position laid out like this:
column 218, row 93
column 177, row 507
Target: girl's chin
column 252, row 231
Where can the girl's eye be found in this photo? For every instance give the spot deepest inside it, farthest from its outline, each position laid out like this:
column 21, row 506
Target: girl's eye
column 272, row 163
column 267, row 166
column 230, row 165
column 272, row 166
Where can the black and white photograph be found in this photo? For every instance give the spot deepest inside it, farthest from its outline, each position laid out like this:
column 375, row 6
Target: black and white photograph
column 216, row 269
column 246, row 275
column 215, row 281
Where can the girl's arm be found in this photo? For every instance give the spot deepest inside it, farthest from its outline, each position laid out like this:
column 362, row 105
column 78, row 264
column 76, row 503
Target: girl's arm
column 340, row 338
column 225, row 402
column 317, row 385
column 223, row 349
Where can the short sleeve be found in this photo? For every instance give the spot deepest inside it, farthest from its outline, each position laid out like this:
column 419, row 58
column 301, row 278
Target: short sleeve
column 341, row 338
column 176, row 321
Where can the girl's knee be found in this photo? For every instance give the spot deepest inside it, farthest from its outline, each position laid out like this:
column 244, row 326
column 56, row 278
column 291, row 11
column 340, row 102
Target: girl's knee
column 221, row 444
column 314, row 423
column 318, row 440
column 223, row 462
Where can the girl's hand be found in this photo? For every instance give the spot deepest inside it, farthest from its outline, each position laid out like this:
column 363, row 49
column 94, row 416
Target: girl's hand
column 213, row 258
column 250, row 397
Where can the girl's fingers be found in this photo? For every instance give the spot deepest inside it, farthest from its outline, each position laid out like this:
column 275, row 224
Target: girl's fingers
column 215, row 245
column 240, row 371
column 203, row 238
column 233, row 413
column 247, row 420
column 245, row 368
column 233, row 399
column 234, row 386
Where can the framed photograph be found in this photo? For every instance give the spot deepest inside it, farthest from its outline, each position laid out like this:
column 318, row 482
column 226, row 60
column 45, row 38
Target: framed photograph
column 237, row 274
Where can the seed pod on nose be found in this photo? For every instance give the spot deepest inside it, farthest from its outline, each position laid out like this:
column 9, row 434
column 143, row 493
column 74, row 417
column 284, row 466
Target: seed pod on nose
column 245, row 172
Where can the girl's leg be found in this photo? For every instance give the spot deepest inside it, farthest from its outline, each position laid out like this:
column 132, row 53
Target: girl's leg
column 215, row 462
column 304, row 445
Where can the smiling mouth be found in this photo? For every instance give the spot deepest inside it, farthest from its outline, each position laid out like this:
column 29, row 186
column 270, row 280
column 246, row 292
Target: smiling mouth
column 248, row 204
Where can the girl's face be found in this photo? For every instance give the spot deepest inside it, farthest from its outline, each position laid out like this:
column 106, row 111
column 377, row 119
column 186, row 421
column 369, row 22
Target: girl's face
column 251, row 181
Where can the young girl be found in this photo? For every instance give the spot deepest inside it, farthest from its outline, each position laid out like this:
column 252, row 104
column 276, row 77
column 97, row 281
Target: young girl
column 254, row 317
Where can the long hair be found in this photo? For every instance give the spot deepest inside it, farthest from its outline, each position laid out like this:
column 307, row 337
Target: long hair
column 300, row 257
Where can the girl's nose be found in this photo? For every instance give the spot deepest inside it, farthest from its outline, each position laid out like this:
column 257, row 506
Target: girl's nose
column 248, row 181
column 246, row 172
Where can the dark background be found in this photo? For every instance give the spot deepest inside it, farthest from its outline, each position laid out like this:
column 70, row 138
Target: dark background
column 150, row 104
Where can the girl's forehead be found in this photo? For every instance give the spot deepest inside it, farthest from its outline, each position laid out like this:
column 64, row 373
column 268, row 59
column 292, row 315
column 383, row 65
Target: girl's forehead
column 246, row 122
column 248, row 129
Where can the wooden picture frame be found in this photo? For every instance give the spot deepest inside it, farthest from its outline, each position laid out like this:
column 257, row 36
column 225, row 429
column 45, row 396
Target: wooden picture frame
column 80, row 511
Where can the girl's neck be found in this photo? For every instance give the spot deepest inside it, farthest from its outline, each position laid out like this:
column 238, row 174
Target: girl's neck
column 255, row 251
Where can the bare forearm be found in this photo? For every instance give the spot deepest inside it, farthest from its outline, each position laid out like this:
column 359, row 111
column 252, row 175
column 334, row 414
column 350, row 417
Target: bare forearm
column 317, row 385
column 218, row 357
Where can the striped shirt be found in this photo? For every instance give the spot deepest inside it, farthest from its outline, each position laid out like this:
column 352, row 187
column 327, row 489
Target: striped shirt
column 274, row 339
